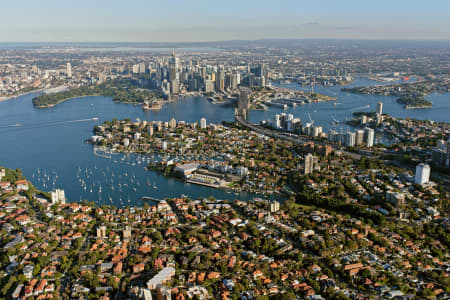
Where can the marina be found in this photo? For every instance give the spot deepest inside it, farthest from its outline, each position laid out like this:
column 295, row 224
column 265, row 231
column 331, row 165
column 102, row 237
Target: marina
column 54, row 155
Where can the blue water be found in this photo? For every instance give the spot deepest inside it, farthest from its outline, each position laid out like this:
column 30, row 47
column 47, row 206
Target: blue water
column 324, row 112
column 59, row 150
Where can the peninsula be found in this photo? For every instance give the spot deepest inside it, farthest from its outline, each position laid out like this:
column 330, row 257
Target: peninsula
column 124, row 90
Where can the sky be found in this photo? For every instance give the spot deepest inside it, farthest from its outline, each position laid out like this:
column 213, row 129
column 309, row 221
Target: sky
column 215, row 20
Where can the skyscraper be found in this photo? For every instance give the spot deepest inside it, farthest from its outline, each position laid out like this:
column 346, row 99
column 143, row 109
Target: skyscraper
column 209, row 86
column 380, row 108
column 142, row 67
column 173, row 66
column 350, row 138
column 243, row 102
column 220, row 80
column 175, row 86
column 359, row 137
column 69, row 69
column 422, row 173
column 58, row 196
column 234, row 81
column 277, row 121
column 369, row 136
column 135, row 69
column 203, row 123
column 309, row 163
column 173, row 123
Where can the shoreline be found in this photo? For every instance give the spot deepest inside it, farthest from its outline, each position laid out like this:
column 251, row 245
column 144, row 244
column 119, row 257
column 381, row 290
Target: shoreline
column 417, row 107
column 61, row 101
column 6, row 98
column 92, row 95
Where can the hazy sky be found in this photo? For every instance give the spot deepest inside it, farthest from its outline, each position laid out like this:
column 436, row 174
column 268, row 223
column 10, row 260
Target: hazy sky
column 213, row 20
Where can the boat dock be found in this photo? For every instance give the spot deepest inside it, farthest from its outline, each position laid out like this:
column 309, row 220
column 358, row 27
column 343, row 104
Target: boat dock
column 152, row 199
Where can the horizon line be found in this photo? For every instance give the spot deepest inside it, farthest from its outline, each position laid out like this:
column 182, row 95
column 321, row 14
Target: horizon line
column 240, row 40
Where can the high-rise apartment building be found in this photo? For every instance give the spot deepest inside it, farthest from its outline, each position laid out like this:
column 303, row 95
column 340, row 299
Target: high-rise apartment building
column 203, row 123
column 422, row 174
column 369, row 136
column 309, row 163
column 380, row 108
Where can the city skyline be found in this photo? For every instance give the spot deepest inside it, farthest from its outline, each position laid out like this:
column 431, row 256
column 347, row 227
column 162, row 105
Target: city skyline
column 149, row 21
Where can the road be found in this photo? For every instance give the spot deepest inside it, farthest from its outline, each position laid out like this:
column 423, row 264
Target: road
column 301, row 140
column 295, row 139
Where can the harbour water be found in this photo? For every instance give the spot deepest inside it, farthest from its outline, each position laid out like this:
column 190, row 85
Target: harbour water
column 325, row 112
column 48, row 144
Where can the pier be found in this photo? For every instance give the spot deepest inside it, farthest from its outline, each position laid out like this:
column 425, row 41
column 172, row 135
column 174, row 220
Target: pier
column 103, row 152
column 152, row 199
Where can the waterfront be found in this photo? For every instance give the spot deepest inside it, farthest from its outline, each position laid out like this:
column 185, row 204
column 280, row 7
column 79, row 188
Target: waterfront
column 325, row 112
column 59, row 151
column 32, row 141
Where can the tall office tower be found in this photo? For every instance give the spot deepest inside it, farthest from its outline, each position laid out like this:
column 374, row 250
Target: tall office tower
column 220, row 80
column 209, row 86
column 69, row 69
column 350, row 138
column 135, row 69
column 175, row 87
column 203, row 73
column 309, row 163
column 243, row 102
column 422, row 173
column 227, row 82
column 259, row 70
column 369, row 136
column 173, row 66
column 234, row 81
column 359, row 137
column 380, row 108
column 203, row 123
column 142, row 68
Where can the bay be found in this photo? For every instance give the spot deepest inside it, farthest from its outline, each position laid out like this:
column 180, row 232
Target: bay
column 50, row 143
